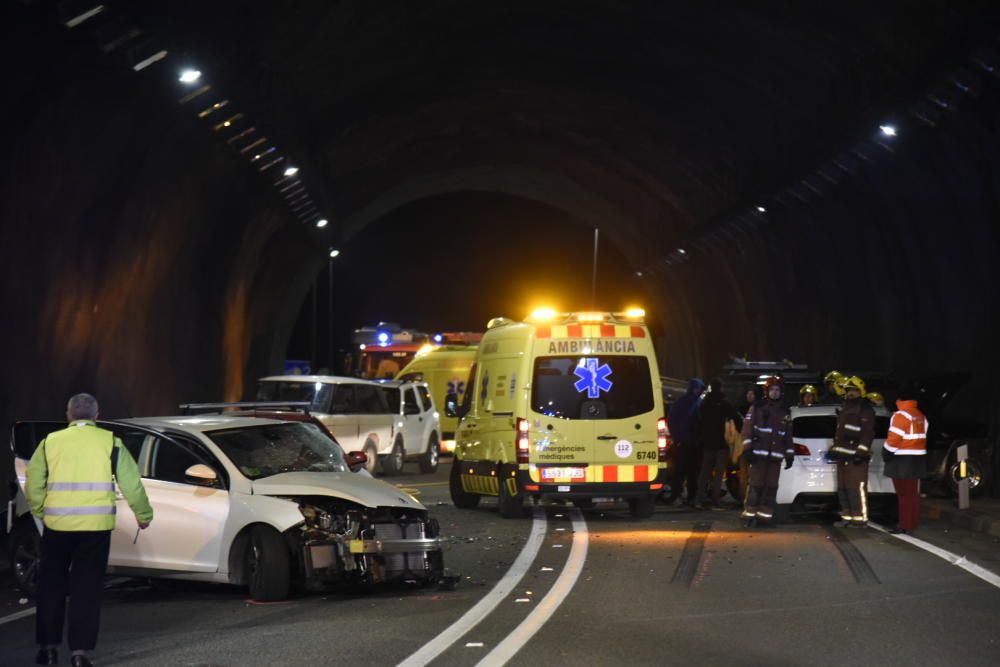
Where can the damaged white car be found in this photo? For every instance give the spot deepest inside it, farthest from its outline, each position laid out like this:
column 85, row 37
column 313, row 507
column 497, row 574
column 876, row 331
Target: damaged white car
column 267, row 504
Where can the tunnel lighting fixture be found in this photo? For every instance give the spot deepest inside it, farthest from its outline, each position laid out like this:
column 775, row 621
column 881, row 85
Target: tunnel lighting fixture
column 334, row 253
column 146, row 62
column 682, row 251
column 888, row 130
column 80, row 18
column 761, row 209
column 291, row 171
column 322, row 222
column 638, row 274
column 189, row 76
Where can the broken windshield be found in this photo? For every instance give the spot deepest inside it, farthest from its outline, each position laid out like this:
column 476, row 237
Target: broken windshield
column 262, row 451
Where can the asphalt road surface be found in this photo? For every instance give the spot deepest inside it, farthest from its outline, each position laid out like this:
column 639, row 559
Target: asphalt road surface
column 594, row 587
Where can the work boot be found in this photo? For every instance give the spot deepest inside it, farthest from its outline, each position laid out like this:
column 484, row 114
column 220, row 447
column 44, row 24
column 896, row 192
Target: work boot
column 80, row 661
column 749, row 521
column 47, row 656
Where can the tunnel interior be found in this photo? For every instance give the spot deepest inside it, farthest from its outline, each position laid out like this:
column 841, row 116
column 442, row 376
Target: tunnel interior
column 730, row 156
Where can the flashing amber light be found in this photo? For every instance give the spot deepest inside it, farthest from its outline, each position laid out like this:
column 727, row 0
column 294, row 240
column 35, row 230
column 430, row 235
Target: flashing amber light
column 662, row 439
column 590, row 317
column 635, row 313
column 543, row 314
column 523, row 440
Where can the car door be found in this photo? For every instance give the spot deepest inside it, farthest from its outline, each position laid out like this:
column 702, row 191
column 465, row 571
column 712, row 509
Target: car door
column 413, row 422
column 374, row 417
column 431, row 423
column 342, row 417
column 188, row 519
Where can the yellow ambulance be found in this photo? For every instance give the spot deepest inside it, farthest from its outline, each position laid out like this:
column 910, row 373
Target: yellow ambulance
column 564, row 405
column 445, row 369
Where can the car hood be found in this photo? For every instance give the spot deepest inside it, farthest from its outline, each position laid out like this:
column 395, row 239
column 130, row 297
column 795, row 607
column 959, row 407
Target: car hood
column 347, row 485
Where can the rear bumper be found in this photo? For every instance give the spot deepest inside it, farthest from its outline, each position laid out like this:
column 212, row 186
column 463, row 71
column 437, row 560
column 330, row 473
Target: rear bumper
column 582, row 490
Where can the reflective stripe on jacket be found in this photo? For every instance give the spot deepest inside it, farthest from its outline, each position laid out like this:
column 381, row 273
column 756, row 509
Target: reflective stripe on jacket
column 907, row 430
column 69, row 480
column 767, row 431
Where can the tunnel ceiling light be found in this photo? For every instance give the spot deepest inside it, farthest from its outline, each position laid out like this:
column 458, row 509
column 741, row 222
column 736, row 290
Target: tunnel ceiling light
column 888, row 130
column 761, row 209
column 189, row 76
column 682, row 251
column 291, row 171
column 334, row 253
column 638, row 274
column 322, row 222
column 80, row 18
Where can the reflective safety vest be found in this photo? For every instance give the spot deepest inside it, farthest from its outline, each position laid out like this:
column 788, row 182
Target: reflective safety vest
column 71, row 470
column 907, row 430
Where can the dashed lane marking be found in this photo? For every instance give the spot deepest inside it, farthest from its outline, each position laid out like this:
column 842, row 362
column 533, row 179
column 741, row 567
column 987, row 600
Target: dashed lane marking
column 484, row 607
column 989, row 577
column 513, row 642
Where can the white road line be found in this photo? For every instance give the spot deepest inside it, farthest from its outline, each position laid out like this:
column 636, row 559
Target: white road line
column 482, row 609
column 17, row 615
column 977, row 570
column 513, row 642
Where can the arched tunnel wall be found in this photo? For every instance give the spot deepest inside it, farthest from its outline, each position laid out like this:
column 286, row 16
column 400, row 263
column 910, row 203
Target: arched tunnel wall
column 894, row 270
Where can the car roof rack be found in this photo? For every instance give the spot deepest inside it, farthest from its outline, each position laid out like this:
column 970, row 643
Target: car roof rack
column 195, row 408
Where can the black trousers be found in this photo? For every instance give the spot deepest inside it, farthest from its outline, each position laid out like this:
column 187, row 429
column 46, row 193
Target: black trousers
column 73, row 564
column 687, row 465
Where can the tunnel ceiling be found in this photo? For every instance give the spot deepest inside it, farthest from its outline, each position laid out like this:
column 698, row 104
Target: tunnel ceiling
column 667, row 115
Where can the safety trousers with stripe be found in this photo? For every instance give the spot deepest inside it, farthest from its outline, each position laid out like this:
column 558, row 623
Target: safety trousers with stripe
column 852, row 491
column 762, row 490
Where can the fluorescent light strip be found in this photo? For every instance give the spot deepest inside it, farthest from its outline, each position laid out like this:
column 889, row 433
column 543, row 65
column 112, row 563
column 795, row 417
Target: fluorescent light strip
column 90, row 13
column 160, row 55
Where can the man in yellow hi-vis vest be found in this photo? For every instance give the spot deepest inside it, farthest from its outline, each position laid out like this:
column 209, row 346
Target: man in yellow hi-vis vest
column 70, row 486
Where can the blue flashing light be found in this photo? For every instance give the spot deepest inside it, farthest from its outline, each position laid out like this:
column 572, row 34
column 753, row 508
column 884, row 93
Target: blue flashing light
column 382, row 338
column 438, row 338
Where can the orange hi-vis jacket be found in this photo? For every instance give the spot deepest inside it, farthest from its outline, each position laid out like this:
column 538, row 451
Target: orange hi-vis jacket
column 907, row 430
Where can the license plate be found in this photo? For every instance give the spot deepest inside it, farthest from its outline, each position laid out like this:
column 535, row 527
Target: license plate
column 562, row 489
column 563, row 473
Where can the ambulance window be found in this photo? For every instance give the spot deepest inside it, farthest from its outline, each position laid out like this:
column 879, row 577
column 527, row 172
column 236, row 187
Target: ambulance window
column 468, row 395
column 611, row 387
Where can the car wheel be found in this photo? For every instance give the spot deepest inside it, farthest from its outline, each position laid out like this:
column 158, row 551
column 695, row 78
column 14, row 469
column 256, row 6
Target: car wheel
column 429, row 459
column 372, row 453
column 641, row 507
column 25, row 549
column 459, row 497
column 393, row 462
column 268, row 570
column 977, row 473
column 511, row 505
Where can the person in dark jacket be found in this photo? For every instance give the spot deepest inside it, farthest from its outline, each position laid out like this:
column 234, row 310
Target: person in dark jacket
column 682, row 422
column 754, row 394
column 767, row 439
column 851, row 451
column 713, row 414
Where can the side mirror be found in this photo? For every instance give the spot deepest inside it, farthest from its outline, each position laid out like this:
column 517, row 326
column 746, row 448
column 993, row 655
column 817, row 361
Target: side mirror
column 201, row 475
column 451, row 405
column 356, row 461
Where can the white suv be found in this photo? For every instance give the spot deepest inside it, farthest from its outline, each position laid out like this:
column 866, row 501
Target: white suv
column 354, row 410
column 255, row 502
column 418, row 426
column 812, row 480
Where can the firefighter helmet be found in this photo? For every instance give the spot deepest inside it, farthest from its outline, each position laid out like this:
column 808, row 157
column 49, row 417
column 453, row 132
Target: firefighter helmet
column 808, row 389
column 772, row 380
column 834, row 380
column 853, row 382
column 876, row 399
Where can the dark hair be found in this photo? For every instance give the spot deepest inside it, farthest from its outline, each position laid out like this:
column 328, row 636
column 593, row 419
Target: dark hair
column 909, row 391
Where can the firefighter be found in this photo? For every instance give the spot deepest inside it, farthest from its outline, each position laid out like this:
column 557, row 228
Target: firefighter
column 767, row 439
column 876, row 399
column 833, row 392
column 851, row 452
column 808, row 396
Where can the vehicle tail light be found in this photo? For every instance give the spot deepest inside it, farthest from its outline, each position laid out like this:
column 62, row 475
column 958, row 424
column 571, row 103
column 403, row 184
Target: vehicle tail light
column 802, row 450
column 523, row 440
column 662, row 439
column 530, row 487
column 655, row 487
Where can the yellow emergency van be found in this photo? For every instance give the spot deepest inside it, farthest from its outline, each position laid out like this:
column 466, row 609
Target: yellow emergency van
column 562, row 405
column 445, row 369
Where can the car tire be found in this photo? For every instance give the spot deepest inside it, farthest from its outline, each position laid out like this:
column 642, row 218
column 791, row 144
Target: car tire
column 511, row 506
column 392, row 464
column 641, row 507
column 429, row 459
column 268, row 566
column 459, row 497
column 977, row 472
column 24, row 550
column 371, row 451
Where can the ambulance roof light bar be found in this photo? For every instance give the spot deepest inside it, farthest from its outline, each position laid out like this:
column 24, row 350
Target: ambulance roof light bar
column 587, row 317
